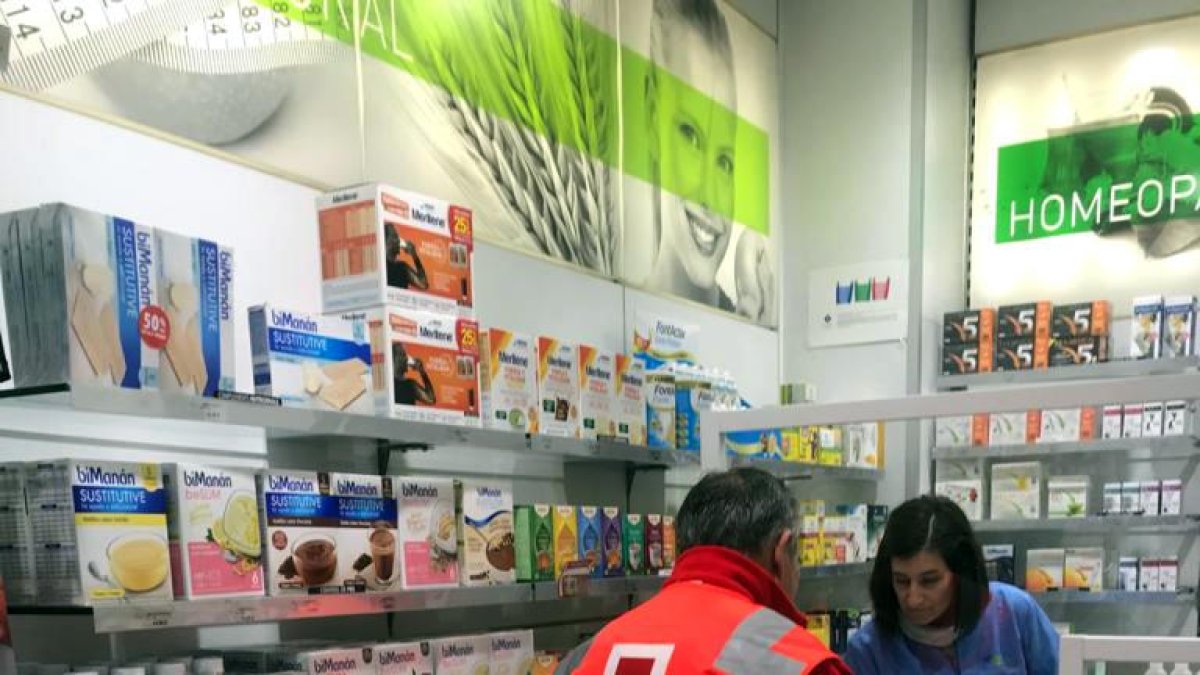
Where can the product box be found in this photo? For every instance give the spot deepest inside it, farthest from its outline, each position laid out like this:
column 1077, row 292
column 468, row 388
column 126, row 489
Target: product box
column 512, row 653
column 1152, row 420
column 1175, row 421
column 487, row 550
column 404, row 658
column 591, row 540
column 1131, row 498
column 630, row 399
column 830, row 450
column 669, row 542
column 953, row 432
column 544, row 663
column 215, row 535
column 966, row 493
column 1083, row 569
column 1011, row 429
column 366, row 537
column 612, row 540
column 310, row 360
column 974, row 326
column 811, row 546
column 1078, row 351
column 342, row 661
column 654, row 543
column 597, row 370
column 1111, row 424
column 424, row 366
column 865, row 445
column 855, row 527
column 660, row 409
column 1146, row 337
column 508, row 380
column 535, row 542
column 1132, row 425
column 1000, row 562
column 383, row 246
column 799, row 444
column 1068, row 425
column 1081, row 319
column 558, row 389
column 462, row 655
column 16, row 537
column 633, row 543
column 877, row 515
column 100, row 532
column 566, row 538
column 694, row 394
column 1028, row 320
column 1022, row 353
column 833, row 540
column 1168, row 574
column 195, row 290
column 1068, row 496
column 1151, row 498
column 81, row 298
column 1148, row 575
column 819, row 626
column 756, row 443
column 1172, row 497
column 1044, row 569
column 1127, row 574
column 428, row 532
column 1016, row 491
column 302, row 553
column 1179, row 326
column 966, row 359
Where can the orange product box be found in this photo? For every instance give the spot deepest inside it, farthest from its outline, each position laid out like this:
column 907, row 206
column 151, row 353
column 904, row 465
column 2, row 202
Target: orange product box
column 558, row 389
column 1033, row 426
column 424, row 366
column 383, row 246
column 597, row 370
column 980, row 429
column 1088, row 423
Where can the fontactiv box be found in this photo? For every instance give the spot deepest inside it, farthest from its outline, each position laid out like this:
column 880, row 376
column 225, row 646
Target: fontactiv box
column 310, row 360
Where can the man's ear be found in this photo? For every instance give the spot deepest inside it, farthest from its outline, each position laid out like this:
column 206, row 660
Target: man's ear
column 785, row 549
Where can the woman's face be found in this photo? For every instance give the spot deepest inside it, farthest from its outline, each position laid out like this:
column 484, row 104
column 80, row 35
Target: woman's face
column 924, row 587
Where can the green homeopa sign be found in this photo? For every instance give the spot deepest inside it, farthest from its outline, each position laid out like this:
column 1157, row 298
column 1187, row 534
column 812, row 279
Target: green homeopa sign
column 1100, row 180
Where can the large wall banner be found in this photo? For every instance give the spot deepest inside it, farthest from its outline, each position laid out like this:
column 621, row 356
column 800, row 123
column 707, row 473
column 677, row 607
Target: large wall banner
column 631, row 138
column 1086, row 177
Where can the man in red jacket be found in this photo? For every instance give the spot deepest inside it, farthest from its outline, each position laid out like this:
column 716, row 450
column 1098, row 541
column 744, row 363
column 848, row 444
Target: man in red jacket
column 727, row 607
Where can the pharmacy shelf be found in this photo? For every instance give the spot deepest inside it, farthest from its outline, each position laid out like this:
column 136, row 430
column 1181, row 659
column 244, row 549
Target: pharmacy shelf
column 1095, row 371
column 1096, row 525
column 834, row 571
column 1168, row 447
column 286, row 422
column 1184, row 598
column 798, row 471
column 236, row 611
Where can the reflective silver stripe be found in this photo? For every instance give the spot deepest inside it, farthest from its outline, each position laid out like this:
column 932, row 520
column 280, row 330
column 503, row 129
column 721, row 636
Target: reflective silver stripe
column 574, row 659
column 748, row 651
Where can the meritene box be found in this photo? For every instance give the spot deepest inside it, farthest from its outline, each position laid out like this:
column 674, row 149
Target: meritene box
column 630, row 400
column 508, row 380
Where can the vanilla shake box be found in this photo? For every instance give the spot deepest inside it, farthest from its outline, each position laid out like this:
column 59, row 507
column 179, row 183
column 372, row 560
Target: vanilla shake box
column 512, row 653
column 508, row 379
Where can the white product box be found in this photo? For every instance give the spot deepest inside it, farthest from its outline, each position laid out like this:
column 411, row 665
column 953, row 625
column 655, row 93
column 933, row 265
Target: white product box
column 1127, row 574
column 1016, row 491
column 424, row 366
column 630, row 383
column 16, row 537
column 1148, row 575
column 854, row 524
column 1068, row 496
column 1146, row 336
column 428, row 532
column 1131, row 498
column 488, row 547
column 195, row 289
column 1152, row 420
column 1175, row 420
column 558, row 388
column 108, row 540
column 81, row 298
column 1044, row 569
column 1172, row 497
column 1111, row 425
column 953, row 432
column 347, row 661
column 1150, row 501
column 1008, row 429
column 1061, row 426
column 512, row 653
column 310, row 360
column 508, row 379
column 215, row 534
column 383, row 246
column 966, row 493
column 661, row 412
column 1168, row 574
column 1133, row 421
column 1179, row 326
column 404, row 658
column 1112, row 499
column 1084, row 569
column 865, row 445
column 597, row 369
column 462, row 655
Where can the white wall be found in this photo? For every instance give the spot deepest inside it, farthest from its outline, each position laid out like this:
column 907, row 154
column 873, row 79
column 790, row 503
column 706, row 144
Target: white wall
column 764, row 13
column 1007, row 24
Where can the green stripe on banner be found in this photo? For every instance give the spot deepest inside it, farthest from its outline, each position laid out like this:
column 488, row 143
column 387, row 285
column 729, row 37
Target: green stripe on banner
column 533, row 63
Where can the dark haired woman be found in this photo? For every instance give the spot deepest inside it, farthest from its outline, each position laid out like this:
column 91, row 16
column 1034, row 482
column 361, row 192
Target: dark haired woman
column 935, row 611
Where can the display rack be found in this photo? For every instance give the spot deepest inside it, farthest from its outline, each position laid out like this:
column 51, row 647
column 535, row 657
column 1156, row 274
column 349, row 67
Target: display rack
column 1095, row 371
column 1110, row 525
column 1167, row 447
column 800, row 471
column 1184, row 598
column 1077, row 650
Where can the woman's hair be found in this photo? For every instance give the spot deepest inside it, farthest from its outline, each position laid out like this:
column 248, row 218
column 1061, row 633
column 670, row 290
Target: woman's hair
column 936, row 525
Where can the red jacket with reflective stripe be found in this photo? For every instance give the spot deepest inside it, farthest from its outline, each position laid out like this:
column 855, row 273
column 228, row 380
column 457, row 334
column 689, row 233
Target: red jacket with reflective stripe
column 709, row 618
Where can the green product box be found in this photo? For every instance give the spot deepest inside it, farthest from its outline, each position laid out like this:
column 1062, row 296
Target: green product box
column 535, row 543
column 634, row 543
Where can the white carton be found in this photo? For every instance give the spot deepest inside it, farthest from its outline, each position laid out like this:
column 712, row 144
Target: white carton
column 1168, row 574
column 1111, row 425
column 1008, row 429
column 428, row 531
column 1172, row 497
column 953, row 432
column 1016, row 491
column 81, row 298
column 1060, row 426
column 1083, row 568
column 1146, row 337
column 508, row 379
column 1175, row 420
column 1044, row 569
column 424, row 366
column 1151, row 498
column 1179, row 326
column 966, row 493
column 1152, row 420
column 1068, row 496
column 110, row 534
column 404, row 658
column 462, row 655
column 383, row 246
column 488, row 548
column 348, row 661
column 16, row 537
column 630, row 382
column 1148, row 575
column 215, row 534
column 1132, row 426
column 311, row 361
column 597, row 369
column 558, row 388
column 1131, row 498
column 512, row 653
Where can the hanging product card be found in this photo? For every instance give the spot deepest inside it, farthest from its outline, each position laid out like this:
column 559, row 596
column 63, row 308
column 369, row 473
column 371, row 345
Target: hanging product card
column 857, row 304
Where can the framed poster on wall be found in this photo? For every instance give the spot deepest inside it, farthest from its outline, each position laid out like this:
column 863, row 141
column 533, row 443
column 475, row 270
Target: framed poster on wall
column 1086, row 175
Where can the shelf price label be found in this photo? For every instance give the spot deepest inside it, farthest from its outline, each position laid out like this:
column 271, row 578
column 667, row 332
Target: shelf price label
column 159, row 617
